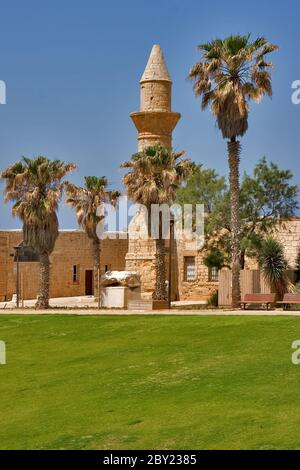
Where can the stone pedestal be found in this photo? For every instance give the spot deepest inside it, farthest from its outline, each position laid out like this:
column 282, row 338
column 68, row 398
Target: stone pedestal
column 118, row 296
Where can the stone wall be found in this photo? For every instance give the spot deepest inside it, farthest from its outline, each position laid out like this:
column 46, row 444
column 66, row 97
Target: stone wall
column 288, row 233
column 141, row 258
column 199, row 289
column 72, row 248
column 156, row 96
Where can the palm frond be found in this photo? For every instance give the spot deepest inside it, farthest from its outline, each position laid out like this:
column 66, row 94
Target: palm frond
column 154, row 174
column 35, row 186
column 232, row 72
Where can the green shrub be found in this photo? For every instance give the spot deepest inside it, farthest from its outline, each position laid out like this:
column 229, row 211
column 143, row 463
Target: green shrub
column 213, row 299
column 273, row 264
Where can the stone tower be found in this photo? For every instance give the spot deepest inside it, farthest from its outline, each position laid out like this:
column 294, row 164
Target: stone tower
column 155, row 121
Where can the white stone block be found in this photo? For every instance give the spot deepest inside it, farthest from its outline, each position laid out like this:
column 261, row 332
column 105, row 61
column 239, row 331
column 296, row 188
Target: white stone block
column 118, row 296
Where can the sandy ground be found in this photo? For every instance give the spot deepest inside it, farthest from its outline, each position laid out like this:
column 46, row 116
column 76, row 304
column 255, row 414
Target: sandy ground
column 117, row 312
column 86, row 305
column 82, row 301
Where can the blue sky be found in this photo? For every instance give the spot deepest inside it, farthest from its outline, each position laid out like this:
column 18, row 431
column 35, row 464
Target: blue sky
column 72, row 71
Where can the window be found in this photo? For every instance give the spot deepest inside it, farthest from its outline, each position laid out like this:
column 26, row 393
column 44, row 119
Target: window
column 190, row 268
column 213, row 274
column 75, row 273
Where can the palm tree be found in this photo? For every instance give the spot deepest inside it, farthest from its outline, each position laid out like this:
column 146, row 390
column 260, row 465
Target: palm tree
column 233, row 71
column 154, row 175
column 88, row 202
column 35, row 186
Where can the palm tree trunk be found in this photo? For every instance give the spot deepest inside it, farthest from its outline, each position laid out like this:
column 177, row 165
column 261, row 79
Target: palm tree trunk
column 234, row 159
column 96, row 255
column 43, row 295
column 160, row 292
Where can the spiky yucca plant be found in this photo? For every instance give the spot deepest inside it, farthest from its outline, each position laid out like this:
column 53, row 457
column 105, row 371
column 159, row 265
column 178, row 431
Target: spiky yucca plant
column 154, row 175
column 35, row 186
column 88, row 202
column 273, row 264
column 232, row 72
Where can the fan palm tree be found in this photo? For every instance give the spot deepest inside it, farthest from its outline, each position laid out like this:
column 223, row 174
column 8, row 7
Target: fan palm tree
column 35, row 186
column 233, row 71
column 154, row 175
column 88, row 202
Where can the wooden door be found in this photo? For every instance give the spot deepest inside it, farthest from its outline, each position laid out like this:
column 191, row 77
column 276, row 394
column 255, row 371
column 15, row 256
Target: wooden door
column 89, row 282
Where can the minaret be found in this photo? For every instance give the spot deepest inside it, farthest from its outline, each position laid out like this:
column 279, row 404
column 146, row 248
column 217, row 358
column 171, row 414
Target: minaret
column 155, row 121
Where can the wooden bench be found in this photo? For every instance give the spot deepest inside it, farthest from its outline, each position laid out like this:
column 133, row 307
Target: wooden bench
column 288, row 300
column 258, row 299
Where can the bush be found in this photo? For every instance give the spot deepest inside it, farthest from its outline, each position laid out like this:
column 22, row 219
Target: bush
column 213, row 299
column 273, row 264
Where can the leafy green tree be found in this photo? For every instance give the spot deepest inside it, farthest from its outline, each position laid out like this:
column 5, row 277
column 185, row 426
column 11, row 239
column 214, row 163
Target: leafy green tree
column 203, row 186
column 232, row 72
column 214, row 259
column 265, row 198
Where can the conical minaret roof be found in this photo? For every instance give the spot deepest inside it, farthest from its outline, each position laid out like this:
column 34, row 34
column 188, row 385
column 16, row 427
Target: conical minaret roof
column 156, row 68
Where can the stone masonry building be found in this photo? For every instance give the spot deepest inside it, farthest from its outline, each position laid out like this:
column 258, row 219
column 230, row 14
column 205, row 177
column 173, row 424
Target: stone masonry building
column 71, row 264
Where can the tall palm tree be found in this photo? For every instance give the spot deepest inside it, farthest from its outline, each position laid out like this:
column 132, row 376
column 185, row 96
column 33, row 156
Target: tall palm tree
column 35, row 186
column 88, row 202
column 154, row 175
column 233, row 71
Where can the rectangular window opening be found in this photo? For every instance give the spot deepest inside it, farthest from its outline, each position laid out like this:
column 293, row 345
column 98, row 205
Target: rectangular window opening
column 75, row 273
column 190, row 273
column 213, row 274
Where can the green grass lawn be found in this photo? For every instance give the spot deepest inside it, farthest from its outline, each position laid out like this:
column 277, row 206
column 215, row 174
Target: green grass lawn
column 149, row 382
